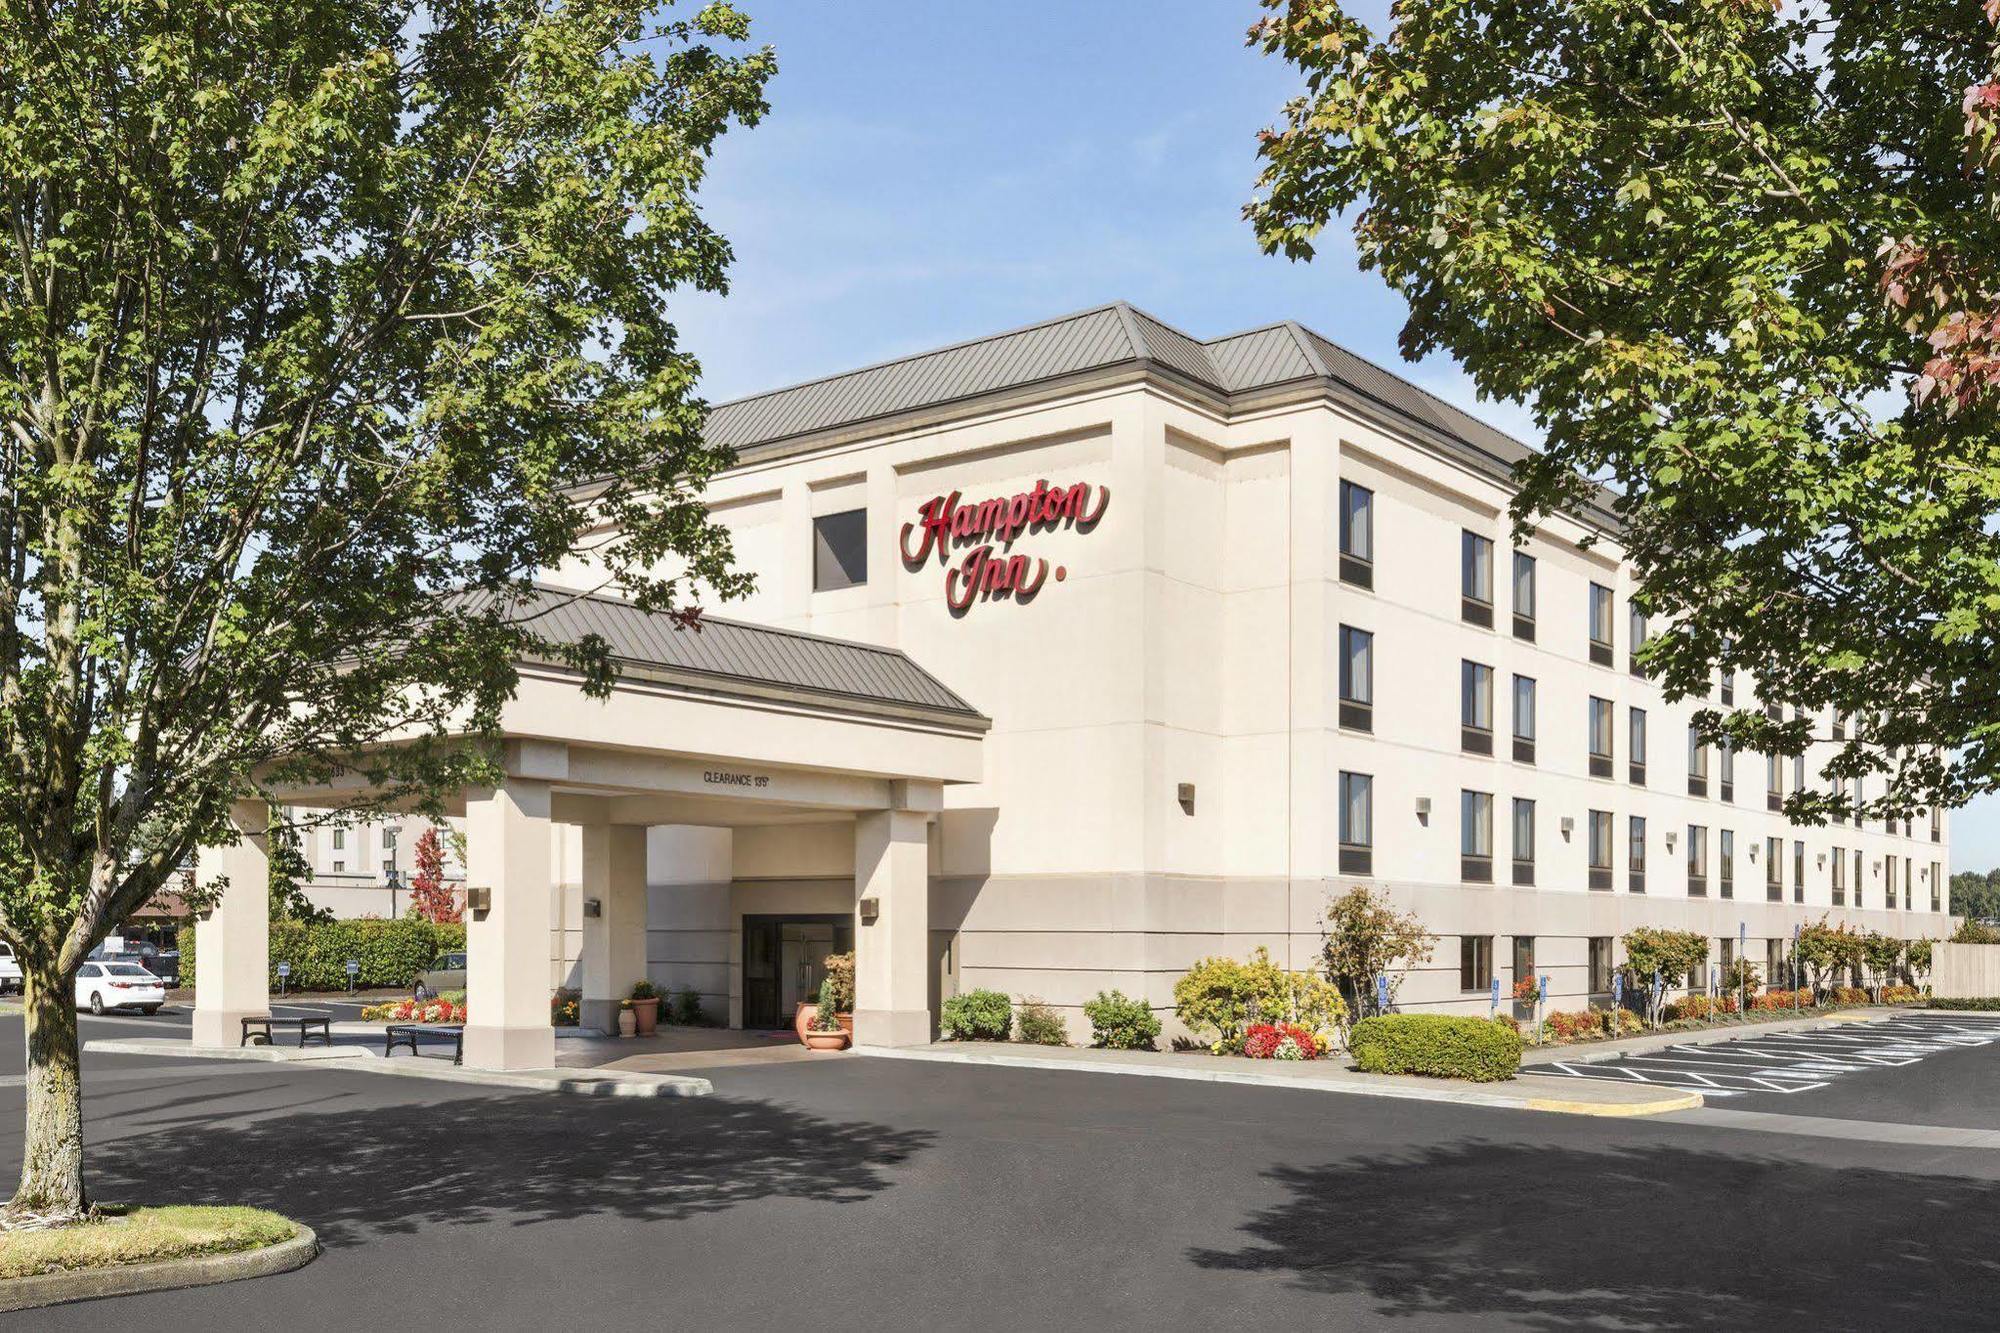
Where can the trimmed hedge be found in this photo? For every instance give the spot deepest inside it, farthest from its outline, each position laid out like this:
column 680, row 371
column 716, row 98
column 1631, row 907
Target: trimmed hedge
column 977, row 1015
column 1439, row 1045
column 1978, row 1003
column 391, row 953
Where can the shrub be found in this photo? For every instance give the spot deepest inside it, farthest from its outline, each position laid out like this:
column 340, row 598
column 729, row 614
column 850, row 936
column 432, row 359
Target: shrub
column 1741, row 976
column 1848, row 995
column 1223, row 997
column 645, row 990
column 1700, row 1007
column 1975, row 932
column 1438, row 1045
column 1569, row 1024
column 1280, row 1041
column 1040, row 1025
column 1975, row 1004
column 1366, row 938
column 1782, row 999
column 391, row 953
column 840, row 971
column 826, row 1013
column 1669, row 954
column 687, row 1007
column 977, row 1015
column 566, row 1007
column 1120, row 1023
column 1901, row 995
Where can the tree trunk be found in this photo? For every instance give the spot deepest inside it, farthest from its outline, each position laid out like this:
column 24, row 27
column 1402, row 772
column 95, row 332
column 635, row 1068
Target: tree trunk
column 52, row 1146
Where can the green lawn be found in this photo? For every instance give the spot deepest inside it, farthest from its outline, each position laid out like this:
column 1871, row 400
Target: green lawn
column 141, row 1235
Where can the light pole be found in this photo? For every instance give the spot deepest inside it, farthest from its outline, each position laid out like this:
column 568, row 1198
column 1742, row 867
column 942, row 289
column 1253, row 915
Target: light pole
column 394, row 879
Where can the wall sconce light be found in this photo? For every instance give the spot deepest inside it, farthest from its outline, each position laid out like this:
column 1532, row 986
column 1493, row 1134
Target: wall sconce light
column 1753, row 850
column 1423, row 809
column 1187, row 798
column 1822, row 860
column 479, row 898
column 1568, row 826
column 870, row 908
column 1670, row 840
column 593, row 907
column 1923, row 872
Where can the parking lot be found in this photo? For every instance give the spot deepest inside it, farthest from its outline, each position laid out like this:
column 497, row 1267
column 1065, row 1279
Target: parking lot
column 1777, row 1067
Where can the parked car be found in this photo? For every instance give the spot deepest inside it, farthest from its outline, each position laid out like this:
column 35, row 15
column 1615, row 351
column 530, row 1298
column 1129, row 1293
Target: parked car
column 101, row 987
column 447, row 972
column 162, row 963
column 10, row 969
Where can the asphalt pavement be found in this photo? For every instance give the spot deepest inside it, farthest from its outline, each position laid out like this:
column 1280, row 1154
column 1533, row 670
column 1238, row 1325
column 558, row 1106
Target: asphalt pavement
column 863, row 1193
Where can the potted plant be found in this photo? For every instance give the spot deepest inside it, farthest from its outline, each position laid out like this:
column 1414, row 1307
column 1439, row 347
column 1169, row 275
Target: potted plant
column 628, row 1022
column 840, row 971
column 823, row 1032
column 646, row 1007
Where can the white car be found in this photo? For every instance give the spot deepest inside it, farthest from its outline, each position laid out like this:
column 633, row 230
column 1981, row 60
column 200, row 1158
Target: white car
column 10, row 969
column 103, row 986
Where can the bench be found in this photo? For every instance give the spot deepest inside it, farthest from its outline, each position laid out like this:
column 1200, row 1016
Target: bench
column 257, row 1031
column 406, row 1034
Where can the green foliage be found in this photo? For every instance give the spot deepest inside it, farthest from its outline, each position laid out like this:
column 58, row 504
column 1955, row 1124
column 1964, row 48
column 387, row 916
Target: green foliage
column 1438, row 1045
column 1827, row 950
column 977, row 1015
column 1120, row 1023
column 1741, row 976
column 290, row 873
column 840, row 971
column 1222, row 996
column 1367, row 938
column 1039, row 1025
column 391, row 952
column 1976, row 1004
column 1917, row 957
column 1740, row 260
column 1671, row 953
column 687, row 1008
column 826, row 1013
column 645, row 990
column 1882, row 953
column 1971, row 931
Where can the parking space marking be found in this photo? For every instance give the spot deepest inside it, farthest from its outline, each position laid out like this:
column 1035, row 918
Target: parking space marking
column 1785, row 1063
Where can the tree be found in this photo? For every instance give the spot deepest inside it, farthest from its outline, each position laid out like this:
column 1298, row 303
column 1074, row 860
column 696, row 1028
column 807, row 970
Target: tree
column 290, row 873
column 1884, row 956
column 1824, row 950
column 1976, row 896
column 1366, row 938
column 429, row 898
column 323, row 327
column 1671, row 955
column 1743, row 260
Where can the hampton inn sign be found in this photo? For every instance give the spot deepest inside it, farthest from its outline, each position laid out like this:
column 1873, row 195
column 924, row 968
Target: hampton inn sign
column 980, row 574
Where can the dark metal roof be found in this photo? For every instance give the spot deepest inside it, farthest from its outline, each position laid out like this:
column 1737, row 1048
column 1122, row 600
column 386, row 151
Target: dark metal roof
column 1108, row 337
column 732, row 656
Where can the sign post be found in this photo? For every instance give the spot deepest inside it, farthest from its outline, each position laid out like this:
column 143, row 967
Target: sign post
column 1742, row 966
column 284, row 972
column 1382, row 992
column 1795, row 968
column 1541, row 1005
column 1655, row 998
column 1494, row 1009
column 353, row 973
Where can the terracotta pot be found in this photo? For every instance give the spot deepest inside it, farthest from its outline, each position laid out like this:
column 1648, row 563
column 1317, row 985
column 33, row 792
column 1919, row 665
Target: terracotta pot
column 846, row 1023
column 628, row 1022
column 647, row 1012
column 826, row 1041
column 803, row 1018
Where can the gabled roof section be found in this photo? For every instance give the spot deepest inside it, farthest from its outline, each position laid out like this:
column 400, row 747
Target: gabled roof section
column 1103, row 339
column 738, row 658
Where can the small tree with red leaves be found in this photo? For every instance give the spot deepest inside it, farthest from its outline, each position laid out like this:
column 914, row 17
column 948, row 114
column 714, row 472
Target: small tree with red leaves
column 429, row 898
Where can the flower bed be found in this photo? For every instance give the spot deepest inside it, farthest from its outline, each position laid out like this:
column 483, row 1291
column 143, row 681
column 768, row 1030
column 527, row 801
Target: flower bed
column 411, row 1011
column 1281, row 1041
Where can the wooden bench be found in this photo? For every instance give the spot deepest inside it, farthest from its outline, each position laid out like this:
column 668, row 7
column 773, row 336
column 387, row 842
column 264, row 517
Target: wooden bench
column 257, row 1031
column 406, row 1034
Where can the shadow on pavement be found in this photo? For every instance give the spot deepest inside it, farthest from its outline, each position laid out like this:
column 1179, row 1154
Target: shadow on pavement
column 504, row 1159
column 1562, row 1238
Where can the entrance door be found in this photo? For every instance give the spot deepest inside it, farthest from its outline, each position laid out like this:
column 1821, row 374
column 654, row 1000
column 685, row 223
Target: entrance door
column 784, row 961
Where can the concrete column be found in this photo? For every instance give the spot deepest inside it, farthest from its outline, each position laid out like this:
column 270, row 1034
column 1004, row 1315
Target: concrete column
column 233, row 943
column 614, row 941
column 892, row 948
column 507, row 851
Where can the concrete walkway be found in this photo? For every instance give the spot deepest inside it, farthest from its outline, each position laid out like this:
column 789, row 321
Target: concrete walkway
column 1525, row 1093
column 345, row 1056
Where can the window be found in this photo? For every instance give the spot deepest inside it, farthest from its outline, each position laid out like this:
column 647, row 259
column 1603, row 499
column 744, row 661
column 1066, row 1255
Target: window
column 1798, row 872
column 1857, row 877
column 1637, row 635
column 1937, row 823
column 840, row 550
column 1524, row 840
column 389, row 838
column 1775, row 965
column 388, row 865
column 1600, row 737
column 1728, row 691
column 1357, row 535
column 1726, row 754
column 1635, row 852
column 1725, row 862
column 1837, row 862
column 1357, row 679
column 1600, row 849
column 1774, row 783
column 1475, row 962
column 1600, row 964
column 1697, row 858
column 1909, row 874
column 1475, row 579
column 1697, row 764
column 1357, row 824
column 1937, row 886
column 1475, row 708
column 1799, row 772
column 1524, row 958
column 1600, row 624
column 1524, row 719
column 1774, row 870
column 1524, row 596
column 339, row 867
column 1475, row 836
column 1635, row 756
column 339, row 839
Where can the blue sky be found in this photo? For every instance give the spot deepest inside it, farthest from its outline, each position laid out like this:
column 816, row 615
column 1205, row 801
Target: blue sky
column 935, row 172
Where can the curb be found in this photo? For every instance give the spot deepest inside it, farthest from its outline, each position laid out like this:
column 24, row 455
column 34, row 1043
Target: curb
column 1402, row 1091
column 201, row 1270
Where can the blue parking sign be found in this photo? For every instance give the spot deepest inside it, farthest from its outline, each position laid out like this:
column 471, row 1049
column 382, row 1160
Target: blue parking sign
column 1496, row 992
column 1544, row 994
column 1382, row 992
